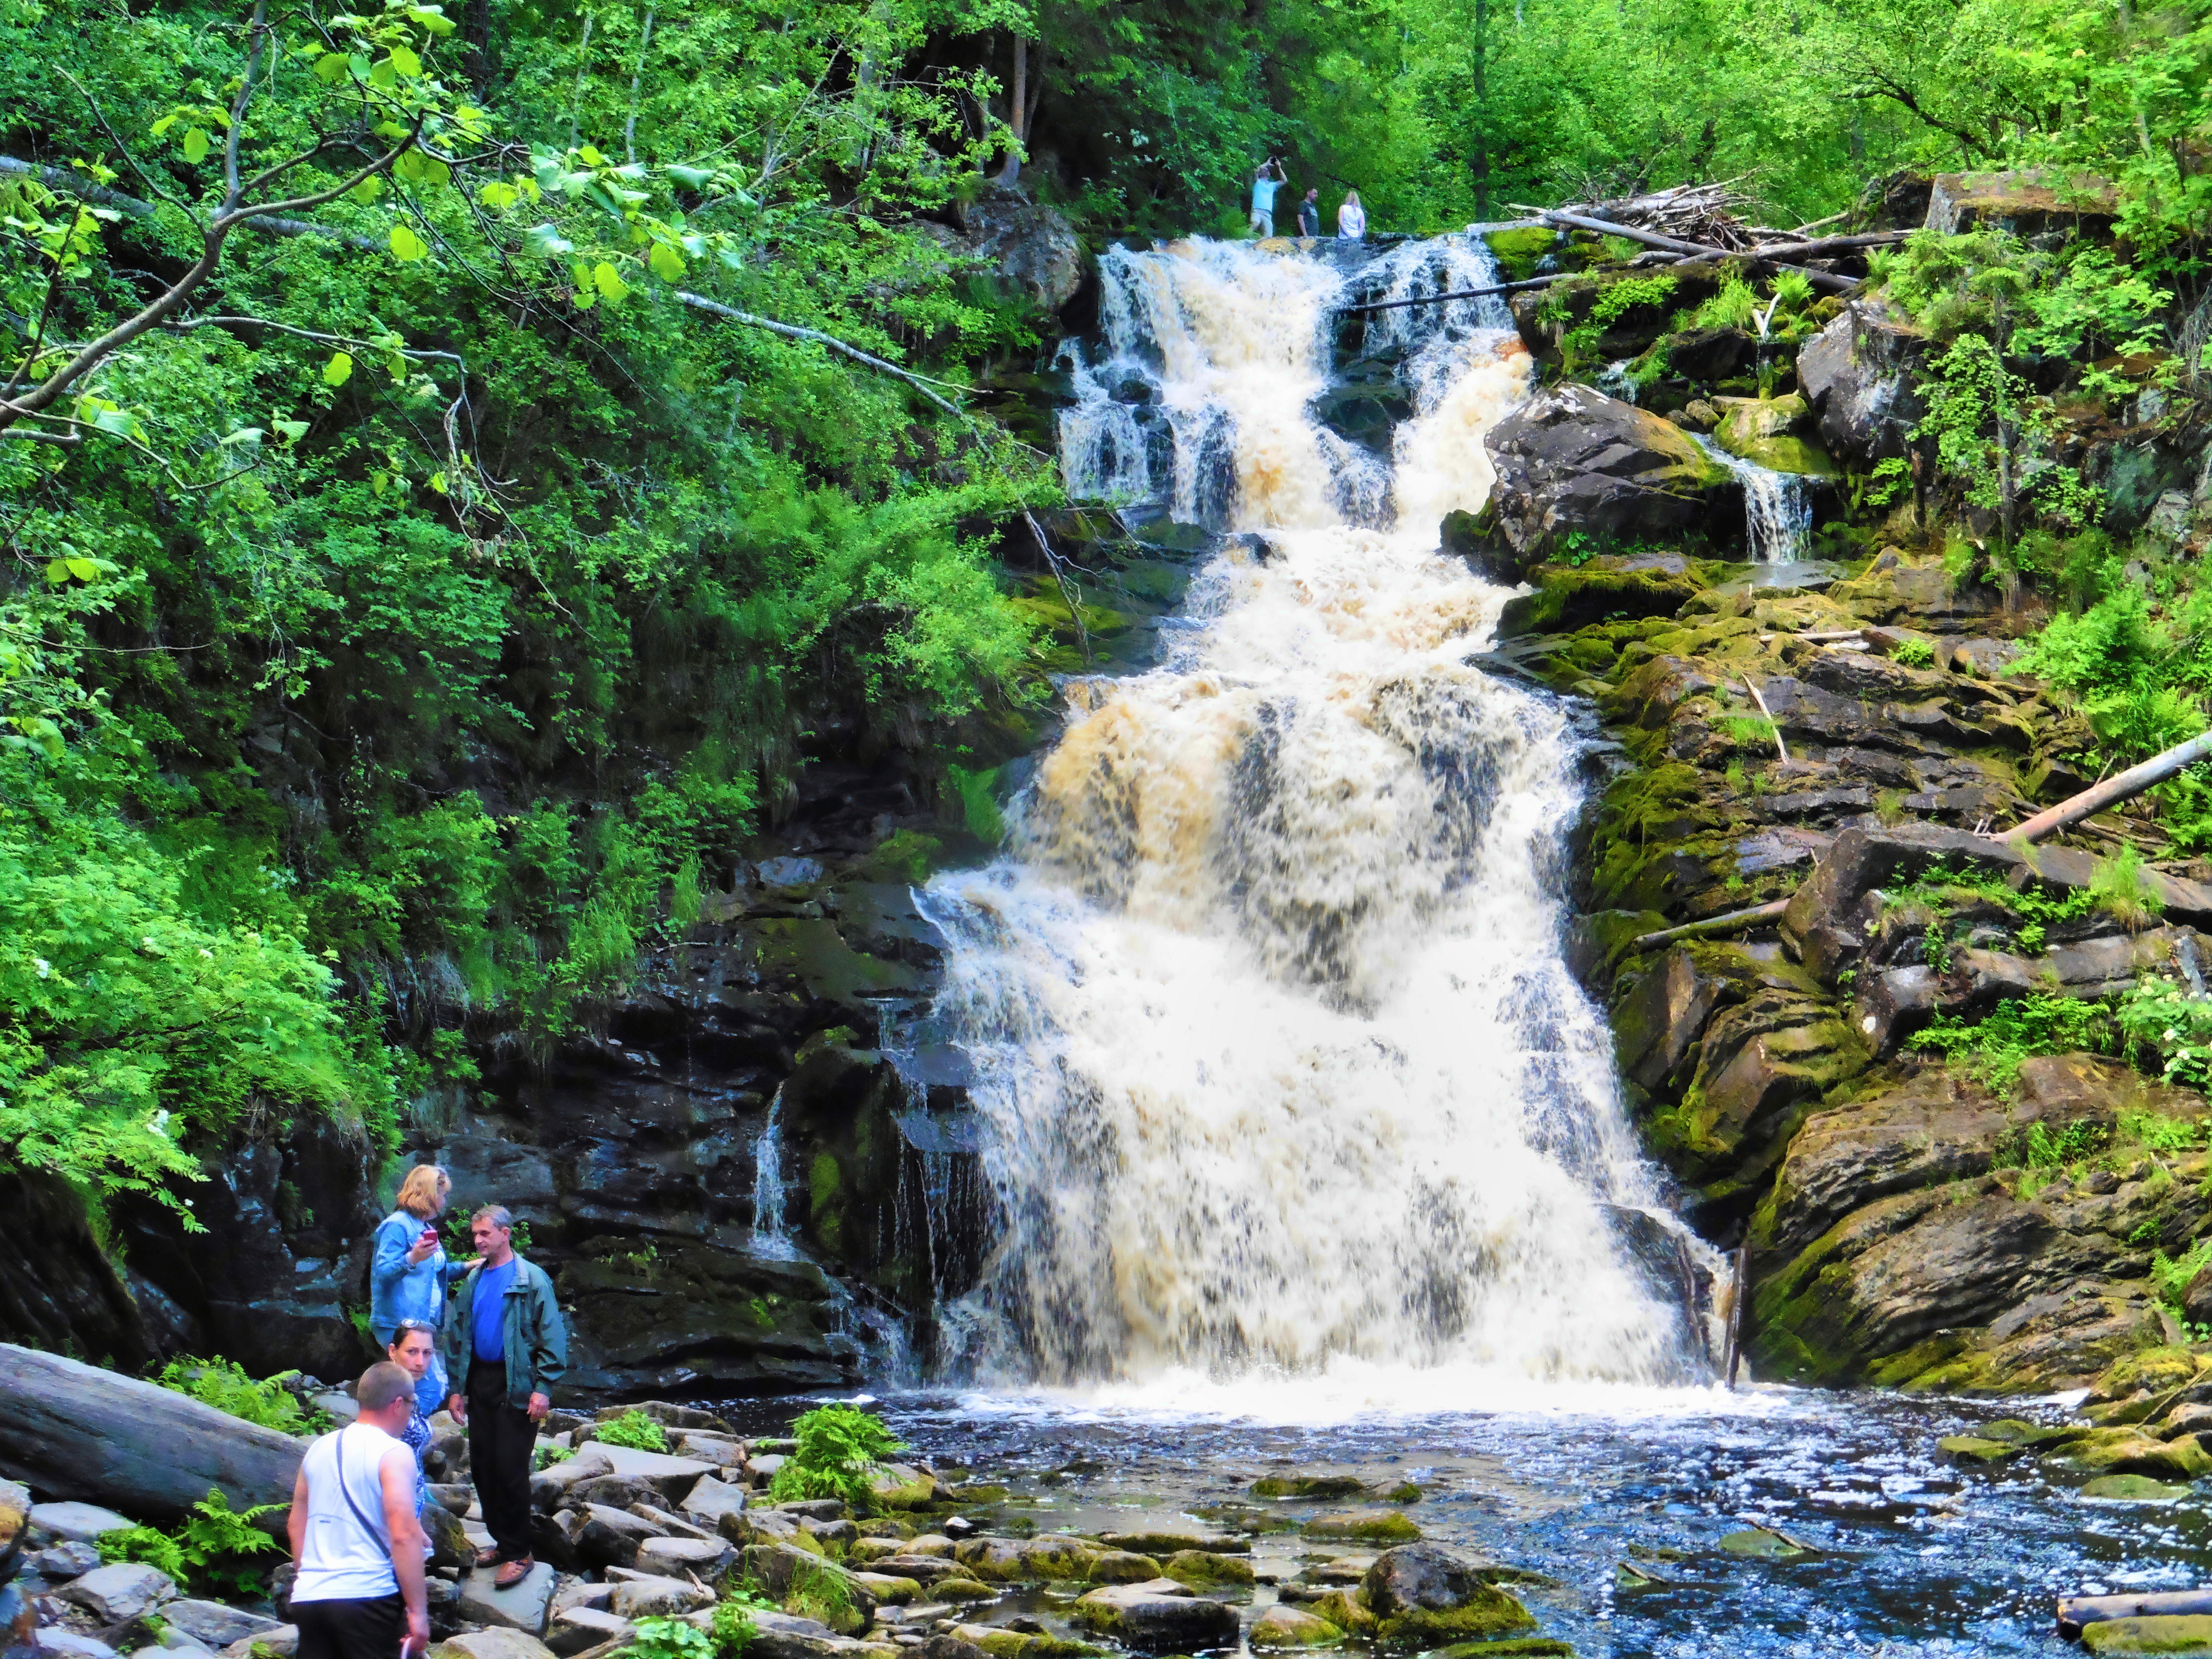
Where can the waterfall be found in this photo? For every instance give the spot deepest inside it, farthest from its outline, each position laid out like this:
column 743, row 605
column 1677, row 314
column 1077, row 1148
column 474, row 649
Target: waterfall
column 771, row 1235
column 1778, row 507
column 1280, row 1059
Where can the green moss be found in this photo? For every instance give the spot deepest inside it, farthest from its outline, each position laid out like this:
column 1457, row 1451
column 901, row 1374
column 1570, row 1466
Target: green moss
column 1202, row 1568
column 1489, row 1612
column 1307, row 1486
column 1346, row 1609
column 1390, row 1528
column 1519, row 250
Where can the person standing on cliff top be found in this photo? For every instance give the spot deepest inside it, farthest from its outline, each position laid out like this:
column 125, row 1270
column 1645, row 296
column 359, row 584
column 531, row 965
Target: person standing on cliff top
column 355, row 1535
column 1352, row 218
column 506, row 1340
column 1265, row 182
column 1310, row 214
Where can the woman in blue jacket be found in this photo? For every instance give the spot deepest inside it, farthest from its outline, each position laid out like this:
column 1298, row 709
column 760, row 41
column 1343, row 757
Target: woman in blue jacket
column 409, row 1274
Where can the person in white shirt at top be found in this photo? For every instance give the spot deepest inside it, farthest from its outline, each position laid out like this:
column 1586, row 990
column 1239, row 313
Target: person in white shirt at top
column 355, row 1538
column 1265, row 182
column 1351, row 217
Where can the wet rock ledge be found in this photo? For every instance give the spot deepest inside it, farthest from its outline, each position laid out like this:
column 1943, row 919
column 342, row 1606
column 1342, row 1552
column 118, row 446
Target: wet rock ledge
column 1993, row 1228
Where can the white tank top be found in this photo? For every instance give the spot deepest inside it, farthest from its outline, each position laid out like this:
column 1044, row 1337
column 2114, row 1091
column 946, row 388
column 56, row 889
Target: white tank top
column 347, row 1556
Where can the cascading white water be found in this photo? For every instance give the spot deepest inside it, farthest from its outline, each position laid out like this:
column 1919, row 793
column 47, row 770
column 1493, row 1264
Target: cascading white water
column 1280, row 1058
column 771, row 1235
column 1778, row 507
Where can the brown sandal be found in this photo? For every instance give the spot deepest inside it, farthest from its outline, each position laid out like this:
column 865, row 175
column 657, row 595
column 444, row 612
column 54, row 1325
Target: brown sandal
column 512, row 1573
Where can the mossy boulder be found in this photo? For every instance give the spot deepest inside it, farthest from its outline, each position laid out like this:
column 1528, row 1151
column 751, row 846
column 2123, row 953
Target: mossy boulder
column 2189, row 1633
column 1283, row 1628
column 1516, row 1647
column 1571, row 597
column 1519, row 250
column 1157, row 1617
column 2130, row 1451
column 1306, row 1483
column 1763, row 1544
column 1968, row 1449
column 1347, row 1610
column 2132, row 1488
column 962, row 1590
column 1573, row 461
column 1003, row 1644
column 1127, row 1567
column 1203, row 1569
column 1488, row 1614
column 1389, row 1527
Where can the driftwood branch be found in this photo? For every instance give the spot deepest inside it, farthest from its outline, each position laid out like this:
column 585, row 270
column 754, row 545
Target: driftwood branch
column 2112, row 790
column 1781, row 749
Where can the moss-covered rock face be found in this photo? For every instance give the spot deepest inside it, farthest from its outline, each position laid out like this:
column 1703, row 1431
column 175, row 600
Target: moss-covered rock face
column 2169, row 1633
column 1838, row 749
column 1288, row 1629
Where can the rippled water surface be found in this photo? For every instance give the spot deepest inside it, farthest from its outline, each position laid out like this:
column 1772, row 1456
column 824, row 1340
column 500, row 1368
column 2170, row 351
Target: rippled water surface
column 1910, row 1556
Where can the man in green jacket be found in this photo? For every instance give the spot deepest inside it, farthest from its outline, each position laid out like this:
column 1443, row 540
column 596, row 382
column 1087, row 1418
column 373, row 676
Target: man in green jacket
column 506, row 1342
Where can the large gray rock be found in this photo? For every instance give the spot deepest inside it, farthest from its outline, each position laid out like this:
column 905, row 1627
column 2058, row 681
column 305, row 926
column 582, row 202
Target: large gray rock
column 1572, row 459
column 676, row 1557
column 1029, row 248
column 65, row 1560
column 1156, row 1616
column 281, row 1642
column 671, row 1477
column 648, row 1596
column 72, row 1428
column 124, row 1590
column 1858, row 375
column 70, row 1644
column 525, row 1606
column 212, row 1624
column 710, row 1499
column 1435, row 1577
column 79, row 1523
column 576, row 1629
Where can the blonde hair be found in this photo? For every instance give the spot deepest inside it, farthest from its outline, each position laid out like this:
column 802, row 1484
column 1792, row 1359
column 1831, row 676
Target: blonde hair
column 423, row 1193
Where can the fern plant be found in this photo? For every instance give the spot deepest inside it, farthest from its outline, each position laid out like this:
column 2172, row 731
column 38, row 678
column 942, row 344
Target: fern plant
column 212, row 1552
column 224, row 1384
column 839, row 1448
column 633, row 1430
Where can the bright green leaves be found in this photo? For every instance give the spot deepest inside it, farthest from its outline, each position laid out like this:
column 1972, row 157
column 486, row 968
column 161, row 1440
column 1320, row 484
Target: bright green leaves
column 407, row 246
column 666, row 261
column 200, row 122
column 609, row 282
column 70, row 567
column 339, row 369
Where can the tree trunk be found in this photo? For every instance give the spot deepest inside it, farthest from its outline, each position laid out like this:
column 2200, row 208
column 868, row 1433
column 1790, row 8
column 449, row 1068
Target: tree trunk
column 1018, row 114
column 75, row 1430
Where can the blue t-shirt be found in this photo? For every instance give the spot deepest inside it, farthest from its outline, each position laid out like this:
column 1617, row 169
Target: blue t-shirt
column 488, row 1313
column 1263, row 195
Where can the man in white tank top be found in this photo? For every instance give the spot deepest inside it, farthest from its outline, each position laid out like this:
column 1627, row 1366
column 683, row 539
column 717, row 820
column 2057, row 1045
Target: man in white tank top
column 355, row 1535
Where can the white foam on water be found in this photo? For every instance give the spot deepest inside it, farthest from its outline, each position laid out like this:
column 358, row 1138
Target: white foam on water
column 1289, row 1088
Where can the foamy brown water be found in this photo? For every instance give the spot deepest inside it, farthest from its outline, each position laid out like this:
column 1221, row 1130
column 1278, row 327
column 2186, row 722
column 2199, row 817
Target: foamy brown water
column 1282, row 1063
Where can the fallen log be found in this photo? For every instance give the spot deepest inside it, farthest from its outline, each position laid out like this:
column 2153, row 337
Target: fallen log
column 2113, row 790
column 1733, row 922
column 1827, row 279
column 1821, row 245
column 73, row 1431
column 1462, row 294
column 2077, row 1611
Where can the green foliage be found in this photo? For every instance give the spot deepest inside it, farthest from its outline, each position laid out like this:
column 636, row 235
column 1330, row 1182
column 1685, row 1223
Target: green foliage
column 735, row 1629
column 1991, row 1050
column 2170, row 1275
column 223, row 1384
column 546, row 1456
column 1914, row 653
column 211, row 1554
column 633, row 1430
column 148, row 1544
column 2167, row 1028
column 838, row 1447
column 672, row 1638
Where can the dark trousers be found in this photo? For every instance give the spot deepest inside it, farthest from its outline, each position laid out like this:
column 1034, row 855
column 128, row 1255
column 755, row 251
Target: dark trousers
column 501, row 1439
column 366, row 1629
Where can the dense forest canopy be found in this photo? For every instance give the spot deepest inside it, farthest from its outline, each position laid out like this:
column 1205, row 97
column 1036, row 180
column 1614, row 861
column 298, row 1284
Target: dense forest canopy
column 455, row 464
